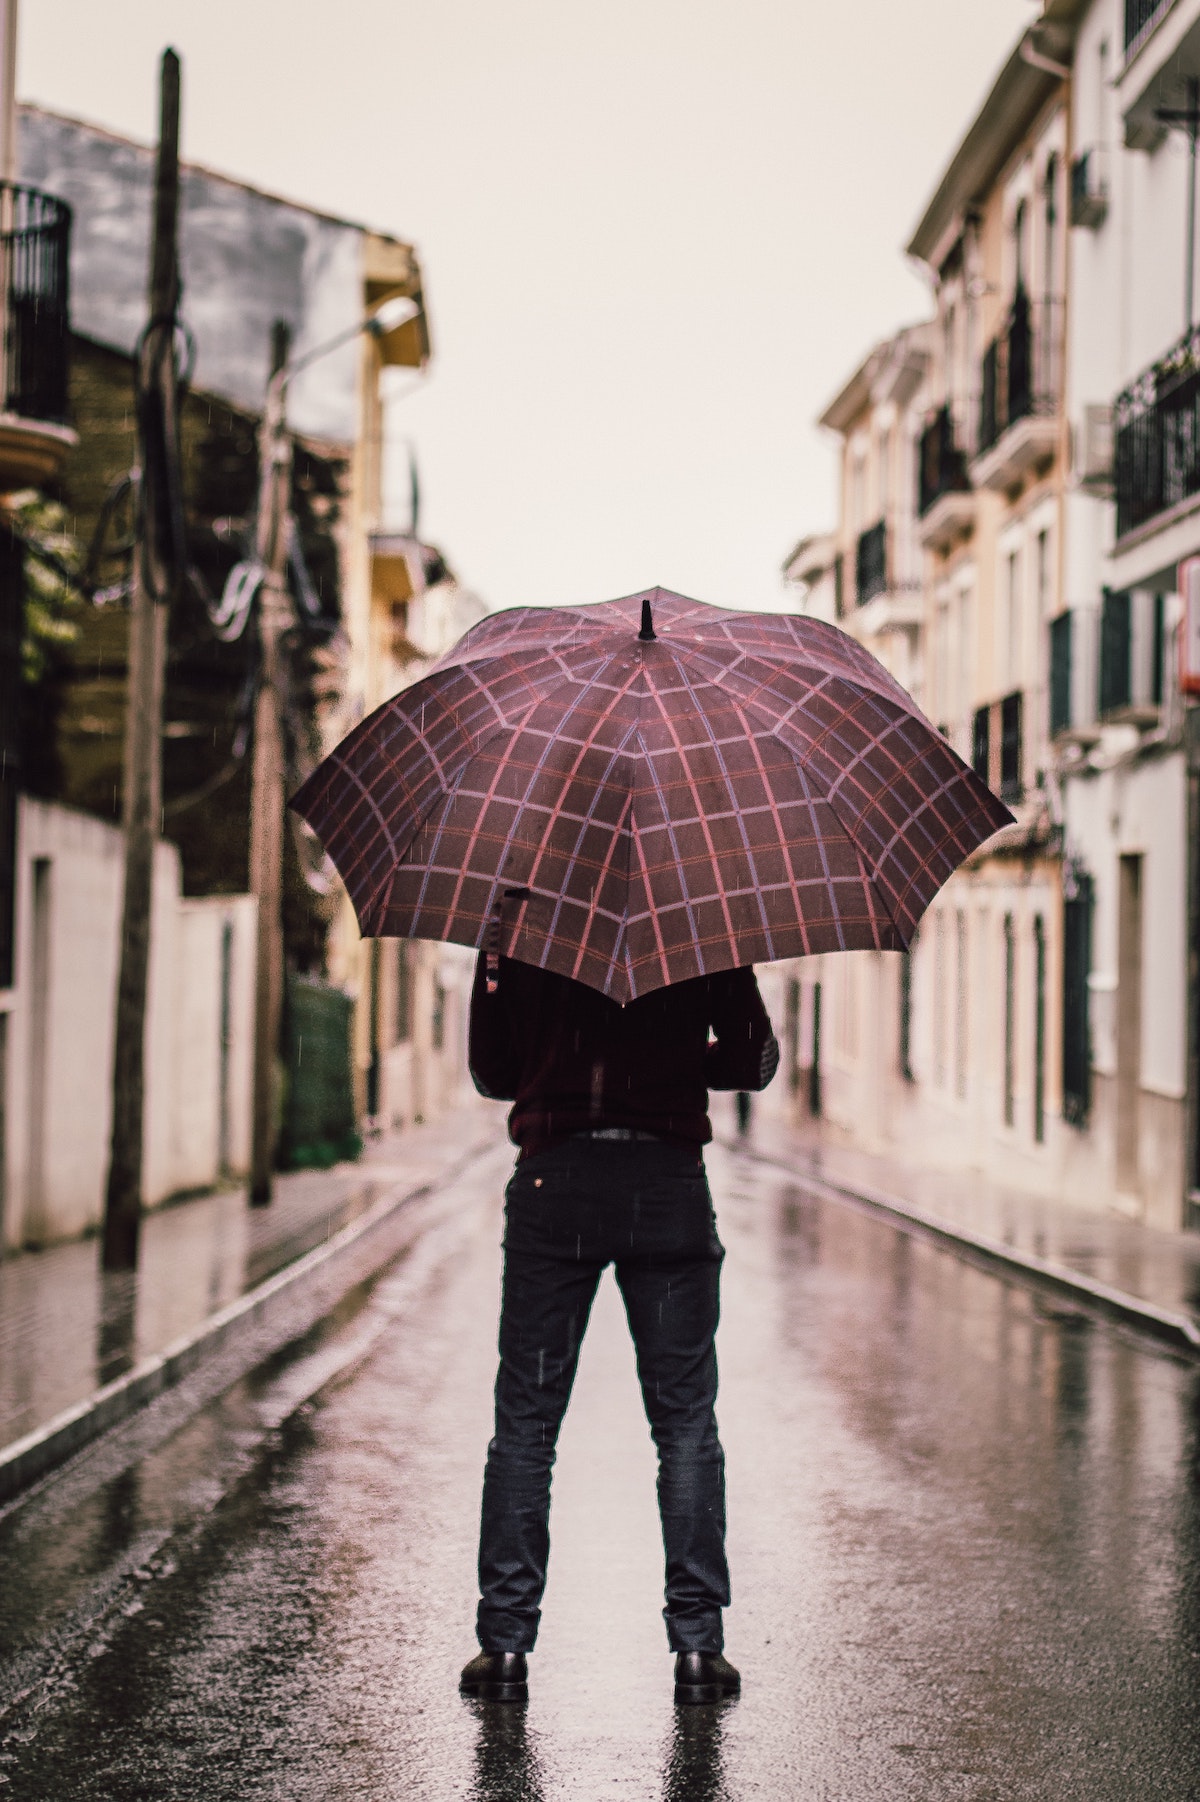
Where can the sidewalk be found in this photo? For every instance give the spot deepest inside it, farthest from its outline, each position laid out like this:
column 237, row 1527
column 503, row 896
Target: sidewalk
column 67, row 1330
column 1148, row 1276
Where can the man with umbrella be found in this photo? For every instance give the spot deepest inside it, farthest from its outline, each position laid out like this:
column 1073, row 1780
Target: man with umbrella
column 611, row 1114
column 634, row 803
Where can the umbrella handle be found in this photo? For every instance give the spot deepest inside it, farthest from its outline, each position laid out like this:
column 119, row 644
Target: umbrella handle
column 493, row 951
column 492, row 941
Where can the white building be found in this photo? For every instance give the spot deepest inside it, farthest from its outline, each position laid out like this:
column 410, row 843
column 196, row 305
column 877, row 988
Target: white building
column 59, row 1019
column 1040, row 1030
column 1132, row 521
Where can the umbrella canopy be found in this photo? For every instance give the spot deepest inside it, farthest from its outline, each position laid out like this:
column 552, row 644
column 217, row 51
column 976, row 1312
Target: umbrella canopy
column 646, row 790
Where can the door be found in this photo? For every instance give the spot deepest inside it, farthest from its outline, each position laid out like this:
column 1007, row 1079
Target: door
column 1129, row 1020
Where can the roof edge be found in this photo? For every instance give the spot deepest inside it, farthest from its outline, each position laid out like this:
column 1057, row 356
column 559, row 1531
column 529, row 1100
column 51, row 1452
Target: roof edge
column 205, row 169
column 1010, row 105
column 855, row 393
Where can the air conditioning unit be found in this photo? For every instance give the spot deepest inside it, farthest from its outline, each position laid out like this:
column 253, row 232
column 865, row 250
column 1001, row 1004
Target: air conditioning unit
column 1089, row 188
column 1094, row 450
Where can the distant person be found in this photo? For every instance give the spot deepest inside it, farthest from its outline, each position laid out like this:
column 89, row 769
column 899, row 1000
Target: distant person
column 611, row 1115
column 741, row 1102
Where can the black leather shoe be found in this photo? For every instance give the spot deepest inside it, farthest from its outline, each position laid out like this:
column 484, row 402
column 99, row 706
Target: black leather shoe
column 705, row 1677
column 496, row 1677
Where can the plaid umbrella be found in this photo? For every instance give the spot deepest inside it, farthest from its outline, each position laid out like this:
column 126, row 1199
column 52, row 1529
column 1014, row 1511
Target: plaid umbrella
column 649, row 789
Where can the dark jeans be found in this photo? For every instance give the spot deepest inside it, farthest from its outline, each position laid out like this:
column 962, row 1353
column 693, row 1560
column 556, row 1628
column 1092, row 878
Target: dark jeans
column 645, row 1207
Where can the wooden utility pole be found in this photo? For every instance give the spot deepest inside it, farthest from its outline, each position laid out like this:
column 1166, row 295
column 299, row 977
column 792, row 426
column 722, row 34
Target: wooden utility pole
column 267, row 797
column 143, row 743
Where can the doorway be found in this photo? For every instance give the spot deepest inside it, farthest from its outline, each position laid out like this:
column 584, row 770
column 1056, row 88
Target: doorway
column 35, row 1225
column 1129, row 1020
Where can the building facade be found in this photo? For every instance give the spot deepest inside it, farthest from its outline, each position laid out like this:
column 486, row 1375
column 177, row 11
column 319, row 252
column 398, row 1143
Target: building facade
column 248, row 259
column 1044, row 1029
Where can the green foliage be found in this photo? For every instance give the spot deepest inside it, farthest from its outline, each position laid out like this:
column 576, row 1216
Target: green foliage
column 52, row 604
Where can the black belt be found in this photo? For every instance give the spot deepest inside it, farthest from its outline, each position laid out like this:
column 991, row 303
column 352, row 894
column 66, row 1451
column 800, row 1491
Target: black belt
column 622, row 1135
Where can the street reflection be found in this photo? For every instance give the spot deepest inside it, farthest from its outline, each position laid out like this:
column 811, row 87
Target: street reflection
column 507, row 1768
column 116, row 1332
column 695, row 1769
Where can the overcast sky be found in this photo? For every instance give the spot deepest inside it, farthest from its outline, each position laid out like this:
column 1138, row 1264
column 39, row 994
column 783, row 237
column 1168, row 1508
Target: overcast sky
column 656, row 234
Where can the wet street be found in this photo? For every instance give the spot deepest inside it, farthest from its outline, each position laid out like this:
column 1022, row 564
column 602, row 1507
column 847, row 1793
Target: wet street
column 964, row 1534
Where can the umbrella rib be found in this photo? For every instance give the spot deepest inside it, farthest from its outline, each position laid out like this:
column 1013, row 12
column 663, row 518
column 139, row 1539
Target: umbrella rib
column 438, row 799
column 873, row 865
column 743, row 705
column 729, row 932
column 737, row 814
column 584, row 746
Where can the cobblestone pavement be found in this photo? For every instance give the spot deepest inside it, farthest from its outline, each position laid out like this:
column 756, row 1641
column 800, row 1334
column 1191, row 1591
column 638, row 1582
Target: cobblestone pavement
column 964, row 1531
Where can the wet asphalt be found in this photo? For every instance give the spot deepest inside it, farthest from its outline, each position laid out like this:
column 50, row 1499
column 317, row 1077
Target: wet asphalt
column 964, row 1534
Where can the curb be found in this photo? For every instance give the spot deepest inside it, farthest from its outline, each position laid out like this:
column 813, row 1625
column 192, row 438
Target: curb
column 1168, row 1325
column 259, row 1323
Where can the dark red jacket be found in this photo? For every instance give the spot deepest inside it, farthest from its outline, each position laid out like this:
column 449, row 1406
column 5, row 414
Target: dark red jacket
column 572, row 1059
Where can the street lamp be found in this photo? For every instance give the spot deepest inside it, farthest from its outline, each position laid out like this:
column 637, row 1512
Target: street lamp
column 266, row 578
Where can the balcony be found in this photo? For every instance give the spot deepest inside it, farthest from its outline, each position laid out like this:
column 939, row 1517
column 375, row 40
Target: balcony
column 1019, row 395
column 945, row 501
column 884, row 599
column 35, row 232
column 1157, row 437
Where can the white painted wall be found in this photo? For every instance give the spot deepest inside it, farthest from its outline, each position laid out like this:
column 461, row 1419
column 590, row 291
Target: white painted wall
column 60, row 1029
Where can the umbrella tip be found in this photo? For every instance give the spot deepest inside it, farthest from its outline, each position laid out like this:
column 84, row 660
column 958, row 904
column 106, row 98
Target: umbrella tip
column 647, row 632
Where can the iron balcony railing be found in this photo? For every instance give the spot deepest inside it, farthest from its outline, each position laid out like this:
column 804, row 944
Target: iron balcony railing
column 1156, row 424
column 870, row 563
column 35, row 236
column 1021, row 373
column 941, row 462
column 1140, row 15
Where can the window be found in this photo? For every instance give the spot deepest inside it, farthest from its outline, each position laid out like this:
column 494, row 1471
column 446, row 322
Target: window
column 1116, row 687
column 1060, row 673
column 1077, row 964
column 1010, row 998
column 981, row 743
column 1020, row 248
column 949, row 360
column 1010, row 747
column 1157, row 646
